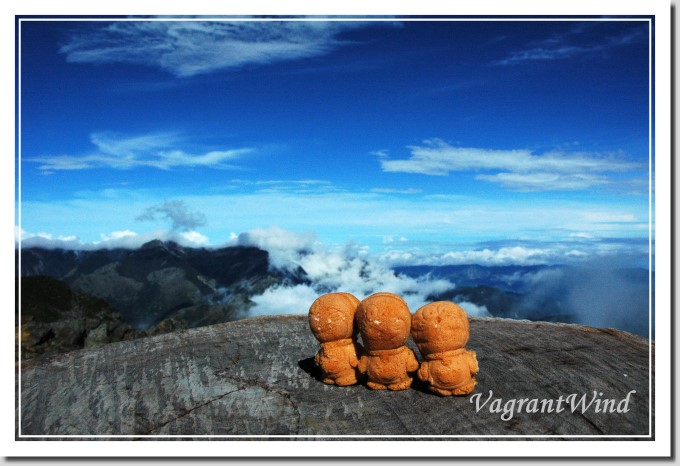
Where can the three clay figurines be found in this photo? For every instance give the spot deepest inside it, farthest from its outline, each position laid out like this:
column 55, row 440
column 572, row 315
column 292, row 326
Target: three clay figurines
column 440, row 330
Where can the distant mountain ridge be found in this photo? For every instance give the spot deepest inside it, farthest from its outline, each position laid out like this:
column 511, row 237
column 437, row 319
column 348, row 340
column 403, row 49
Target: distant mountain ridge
column 161, row 279
column 164, row 282
column 598, row 294
column 497, row 276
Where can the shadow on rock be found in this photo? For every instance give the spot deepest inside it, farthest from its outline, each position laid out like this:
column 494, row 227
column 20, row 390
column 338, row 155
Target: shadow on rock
column 309, row 366
column 420, row 386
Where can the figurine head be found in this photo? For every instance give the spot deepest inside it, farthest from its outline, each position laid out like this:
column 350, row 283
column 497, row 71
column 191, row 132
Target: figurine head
column 331, row 317
column 440, row 326
column 384, row 321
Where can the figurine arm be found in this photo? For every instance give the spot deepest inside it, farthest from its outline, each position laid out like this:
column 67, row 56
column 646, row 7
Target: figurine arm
column 317, row 357
column 363, row 364
column 353, row 360
column 424, row 371
column 411, row 362
column 472, row 362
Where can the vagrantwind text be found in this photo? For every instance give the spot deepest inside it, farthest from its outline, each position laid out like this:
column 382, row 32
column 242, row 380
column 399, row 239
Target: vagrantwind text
column 574, row 402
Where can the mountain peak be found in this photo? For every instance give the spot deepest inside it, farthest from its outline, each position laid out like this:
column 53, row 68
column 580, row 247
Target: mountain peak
column 169, row 246
column 156, row 243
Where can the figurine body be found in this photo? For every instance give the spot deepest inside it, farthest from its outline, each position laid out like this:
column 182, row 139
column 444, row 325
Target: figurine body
column 441, row 330
column 331, row 319
column 384, row 322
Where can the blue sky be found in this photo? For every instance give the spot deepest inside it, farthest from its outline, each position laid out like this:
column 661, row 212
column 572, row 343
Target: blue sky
column 439, row 141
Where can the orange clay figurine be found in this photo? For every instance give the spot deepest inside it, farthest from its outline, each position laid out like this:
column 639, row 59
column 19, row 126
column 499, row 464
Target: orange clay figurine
column 441, row 330
column 331, row 319
column 384, row 322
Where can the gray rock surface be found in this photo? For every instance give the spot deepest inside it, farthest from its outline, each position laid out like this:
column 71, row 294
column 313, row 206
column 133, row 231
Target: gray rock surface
column 257, row 377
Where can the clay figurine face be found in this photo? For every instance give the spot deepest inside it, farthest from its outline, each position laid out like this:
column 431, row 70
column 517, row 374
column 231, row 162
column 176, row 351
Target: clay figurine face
column 440, row 326
column 384, row 321
column 331, row 317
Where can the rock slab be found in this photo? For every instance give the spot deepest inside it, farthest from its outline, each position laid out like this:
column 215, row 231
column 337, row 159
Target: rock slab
column 256, row 379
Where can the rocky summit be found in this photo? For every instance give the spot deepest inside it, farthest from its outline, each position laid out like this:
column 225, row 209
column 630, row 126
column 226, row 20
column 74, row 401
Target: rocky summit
column 257, row 377
column 55, row 319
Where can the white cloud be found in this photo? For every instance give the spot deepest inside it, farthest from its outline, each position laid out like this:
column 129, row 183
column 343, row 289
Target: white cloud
column 125, row 239
column 399, row 257
column 177, row 212
column 544, row 53
column 543, row 181
column 349, row 268
column 286, row 186
column 514, row 169
column 396, row 191
column 188, row 48
column 502, row 256
column 46, row 240
column 116, row 235
column 576, row 253
column 609, row 217
column 125, row 153
column 194, row 237
column 474, row 310
column 569, row 249
column 284, row 300
column 573, row 43
column 389, row 239
column 580, row 235
column 283, row 246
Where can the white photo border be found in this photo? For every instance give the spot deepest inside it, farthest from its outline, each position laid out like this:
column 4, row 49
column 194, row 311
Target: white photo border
column 659, row 230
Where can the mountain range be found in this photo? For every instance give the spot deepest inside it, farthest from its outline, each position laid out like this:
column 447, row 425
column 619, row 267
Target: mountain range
column 72, row 299
column 162, row 280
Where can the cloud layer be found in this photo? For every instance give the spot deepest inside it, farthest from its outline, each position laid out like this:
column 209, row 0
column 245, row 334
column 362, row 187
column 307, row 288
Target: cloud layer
column 514, row 169
column 188, row 48
column 125, row 239
column 124, row 153
column 349, row 269
column 290, row 249
column 597, row 292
